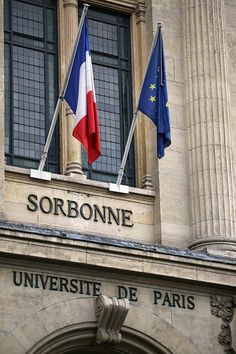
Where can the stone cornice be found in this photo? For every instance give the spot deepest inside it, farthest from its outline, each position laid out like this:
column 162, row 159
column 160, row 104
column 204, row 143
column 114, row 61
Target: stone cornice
column 126, row 6
column 112, row 254
column 88, row 186
column 110, row 241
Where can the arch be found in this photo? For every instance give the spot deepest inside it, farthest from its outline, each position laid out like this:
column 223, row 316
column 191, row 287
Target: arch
column 72, row 324
column 82, row 337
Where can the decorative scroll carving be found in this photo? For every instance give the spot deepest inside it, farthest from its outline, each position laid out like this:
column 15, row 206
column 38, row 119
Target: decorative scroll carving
column 111, row 313
column 223, row 307
column 147, row 182
column 140, row 11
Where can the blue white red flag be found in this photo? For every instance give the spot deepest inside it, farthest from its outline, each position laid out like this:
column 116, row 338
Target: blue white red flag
column 80, row 95
column 153, row 101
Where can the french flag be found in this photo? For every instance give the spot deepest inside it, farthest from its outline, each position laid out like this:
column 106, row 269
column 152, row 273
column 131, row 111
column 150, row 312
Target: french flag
column 80, row 95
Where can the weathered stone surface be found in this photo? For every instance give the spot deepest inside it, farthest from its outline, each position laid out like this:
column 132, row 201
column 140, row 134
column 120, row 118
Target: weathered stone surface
column 66, row 262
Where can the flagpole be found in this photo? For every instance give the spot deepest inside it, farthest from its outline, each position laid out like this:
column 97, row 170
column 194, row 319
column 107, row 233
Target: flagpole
column 60, row 99
column 133, row 124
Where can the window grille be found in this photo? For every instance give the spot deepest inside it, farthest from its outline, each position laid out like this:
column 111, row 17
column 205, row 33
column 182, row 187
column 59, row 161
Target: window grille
column 109, row 36
column 30, row 81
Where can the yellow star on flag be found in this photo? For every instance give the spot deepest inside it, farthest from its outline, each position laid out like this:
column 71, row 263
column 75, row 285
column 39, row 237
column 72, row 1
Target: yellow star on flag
column 152, row 98
column 152, row 86
column 167, row 104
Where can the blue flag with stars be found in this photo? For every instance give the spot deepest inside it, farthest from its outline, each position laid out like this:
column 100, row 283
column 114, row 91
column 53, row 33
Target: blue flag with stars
column 153, row 101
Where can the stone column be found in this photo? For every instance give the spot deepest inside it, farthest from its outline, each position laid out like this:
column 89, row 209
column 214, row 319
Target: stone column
column 208, row 124
column 142, row 134
column 74, row 165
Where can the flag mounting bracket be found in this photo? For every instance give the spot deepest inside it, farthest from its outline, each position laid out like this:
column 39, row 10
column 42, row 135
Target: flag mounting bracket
column 47, row 176
column 119, row 188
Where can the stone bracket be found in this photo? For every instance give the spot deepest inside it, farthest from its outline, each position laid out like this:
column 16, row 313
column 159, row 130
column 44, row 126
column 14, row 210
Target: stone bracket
column 111, row 313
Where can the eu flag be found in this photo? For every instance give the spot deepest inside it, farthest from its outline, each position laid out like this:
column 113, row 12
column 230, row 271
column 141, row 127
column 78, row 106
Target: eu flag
column 153, row 101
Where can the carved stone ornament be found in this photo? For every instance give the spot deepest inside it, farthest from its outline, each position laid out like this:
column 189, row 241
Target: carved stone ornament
column 140, row 11
column 111, row 313
column 147, row 182
column 223, row 307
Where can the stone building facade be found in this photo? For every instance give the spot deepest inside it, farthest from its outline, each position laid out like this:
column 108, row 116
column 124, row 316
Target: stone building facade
column 87, row 270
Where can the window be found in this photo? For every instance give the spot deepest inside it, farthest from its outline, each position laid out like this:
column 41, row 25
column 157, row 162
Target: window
column 30, row 81
column 109, row 36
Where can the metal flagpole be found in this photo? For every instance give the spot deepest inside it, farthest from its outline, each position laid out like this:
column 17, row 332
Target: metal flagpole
column 117, row 186
column 39, row 173
column 127, row 148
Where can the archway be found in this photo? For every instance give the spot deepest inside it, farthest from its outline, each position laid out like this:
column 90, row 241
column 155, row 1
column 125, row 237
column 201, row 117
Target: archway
column 71, row 325
column 80, row 339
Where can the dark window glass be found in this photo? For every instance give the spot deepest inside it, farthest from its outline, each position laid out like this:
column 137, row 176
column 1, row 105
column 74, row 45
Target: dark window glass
column 109, row 36
column 30, row 81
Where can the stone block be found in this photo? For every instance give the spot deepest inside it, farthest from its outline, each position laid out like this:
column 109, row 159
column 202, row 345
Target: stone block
column 82, row 310
column 179, row 74
column 170, row 69
column 174, row 163
column 175, row 93
column 114, row 261
column 168, row 269
column 10, row 345
column 49, row 207
column 177, row 116
column 55, row 317
column 176, row 235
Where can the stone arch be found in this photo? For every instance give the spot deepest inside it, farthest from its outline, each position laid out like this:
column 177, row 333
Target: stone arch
column 71, row 324
column 82, row 337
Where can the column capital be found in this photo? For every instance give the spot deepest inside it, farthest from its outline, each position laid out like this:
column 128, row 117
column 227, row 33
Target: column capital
column 70, row 3
column 140, row 11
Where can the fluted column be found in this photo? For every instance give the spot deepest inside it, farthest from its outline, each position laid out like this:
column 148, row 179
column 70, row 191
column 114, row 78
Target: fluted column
column 74, row 165
column 208, row 119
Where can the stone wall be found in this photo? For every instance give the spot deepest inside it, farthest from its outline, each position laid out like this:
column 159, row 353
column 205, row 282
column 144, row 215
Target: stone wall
column 39, row 300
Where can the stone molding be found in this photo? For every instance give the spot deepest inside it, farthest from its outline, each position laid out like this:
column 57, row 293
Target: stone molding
column 111, row 313
column 147, row 182
column 15, row 174
column 126, row 6
column 140, row 11
column 70, row 3
column 217, row 245
column 140, row 259
column 223, row 307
